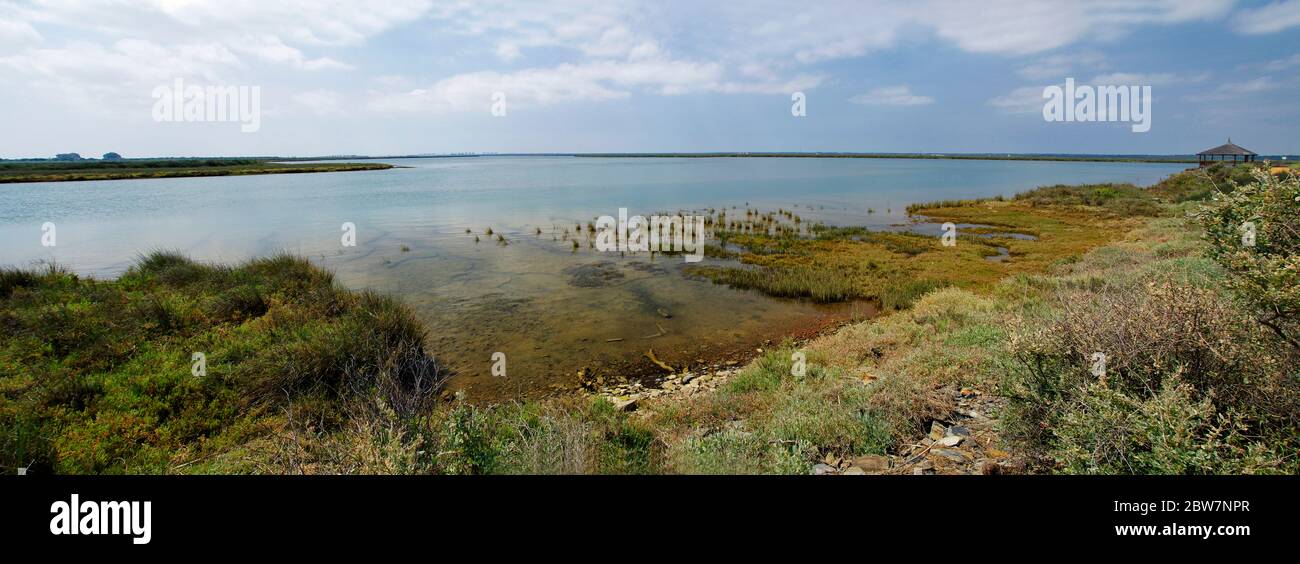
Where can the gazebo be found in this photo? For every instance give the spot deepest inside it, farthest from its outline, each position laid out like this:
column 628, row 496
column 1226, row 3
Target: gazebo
column 1222, row 152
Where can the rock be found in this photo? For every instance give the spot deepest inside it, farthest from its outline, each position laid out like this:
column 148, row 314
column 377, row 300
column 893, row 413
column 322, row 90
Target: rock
column 872, row 463
column 958, row 430
column 625, row 405
column 937, row 430
column 854, row 471
column 950, row 454
column 925, row 465
column 950, row 441
column 969, row 413
column 823, row 469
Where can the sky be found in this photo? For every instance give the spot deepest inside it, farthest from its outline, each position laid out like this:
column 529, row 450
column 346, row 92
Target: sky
column 419, row 76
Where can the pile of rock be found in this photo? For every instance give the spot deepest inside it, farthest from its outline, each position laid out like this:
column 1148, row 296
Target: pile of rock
column 959, row 446
column 626, row 395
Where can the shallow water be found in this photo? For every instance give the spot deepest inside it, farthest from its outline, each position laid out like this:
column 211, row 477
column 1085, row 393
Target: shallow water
column 550, row 309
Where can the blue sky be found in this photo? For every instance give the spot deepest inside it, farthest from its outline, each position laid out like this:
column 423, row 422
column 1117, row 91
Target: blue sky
column 417, row 76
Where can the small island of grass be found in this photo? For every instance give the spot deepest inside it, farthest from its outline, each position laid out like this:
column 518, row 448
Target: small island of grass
column 109, row 169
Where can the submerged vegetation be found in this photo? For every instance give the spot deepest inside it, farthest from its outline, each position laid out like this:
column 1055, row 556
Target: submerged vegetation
column 302, row 376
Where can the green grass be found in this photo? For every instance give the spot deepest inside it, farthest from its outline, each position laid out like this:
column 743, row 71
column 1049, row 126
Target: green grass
column 1192, row 386
column 95, row 376
column 836, row 264
column 1121, row 199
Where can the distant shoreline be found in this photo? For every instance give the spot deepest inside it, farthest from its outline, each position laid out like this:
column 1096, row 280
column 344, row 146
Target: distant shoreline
column 1159, row 159
column 75, row 171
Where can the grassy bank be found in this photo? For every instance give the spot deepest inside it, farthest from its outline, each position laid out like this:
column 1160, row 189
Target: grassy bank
column 305, row 377
column 49, row 171
column 103, row 376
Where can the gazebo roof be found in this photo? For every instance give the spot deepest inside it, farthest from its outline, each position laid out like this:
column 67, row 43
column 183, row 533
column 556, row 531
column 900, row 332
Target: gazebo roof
column 1228, row 149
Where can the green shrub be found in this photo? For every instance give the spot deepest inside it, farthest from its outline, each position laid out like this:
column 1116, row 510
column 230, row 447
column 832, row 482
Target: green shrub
column 1188, row 385
column 467, row 442
column 95, row 376
column 1265, row 272
column 1122, row 199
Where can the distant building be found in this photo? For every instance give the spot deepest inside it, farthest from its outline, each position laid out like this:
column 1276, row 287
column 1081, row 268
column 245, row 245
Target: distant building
column 1224, row 153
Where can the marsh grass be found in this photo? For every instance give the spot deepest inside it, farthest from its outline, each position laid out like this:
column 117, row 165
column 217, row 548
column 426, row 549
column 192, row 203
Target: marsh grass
column 96, row 375
column 836, row 264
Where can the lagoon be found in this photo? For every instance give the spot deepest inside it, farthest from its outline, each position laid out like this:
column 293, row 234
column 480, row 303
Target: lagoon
column 551, row 309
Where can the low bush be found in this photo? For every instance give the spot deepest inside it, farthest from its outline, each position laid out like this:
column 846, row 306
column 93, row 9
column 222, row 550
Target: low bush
column 1152, row 377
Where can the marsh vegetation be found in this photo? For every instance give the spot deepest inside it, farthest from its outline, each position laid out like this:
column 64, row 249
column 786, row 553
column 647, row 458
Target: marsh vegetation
column 303, row 376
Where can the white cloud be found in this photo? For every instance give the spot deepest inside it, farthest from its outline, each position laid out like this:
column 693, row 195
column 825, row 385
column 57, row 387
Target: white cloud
column 320, row 102
column 1017, row 27
column 273, row 32
column 1233, row 90
column 764, row 39
column 891, row 96
column 271, row 49
column 542, row 87
column 1283, row 63
column 1275, row 17
column 1060, row 66
column 508, row 51
column 14, row 33
column 82, row 63
column 1028, row 99
column 613, row 48
column 110, row 80
column 1148, row 79
column 1250, row 86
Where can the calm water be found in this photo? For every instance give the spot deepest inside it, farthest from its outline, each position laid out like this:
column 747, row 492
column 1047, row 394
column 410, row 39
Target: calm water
column 552, row 310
